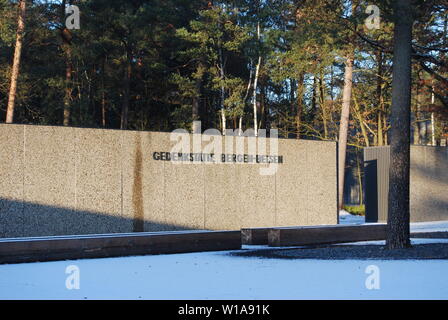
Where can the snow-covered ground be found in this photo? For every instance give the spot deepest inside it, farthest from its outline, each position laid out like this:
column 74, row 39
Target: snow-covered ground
column 217, row 275
column 347, row 218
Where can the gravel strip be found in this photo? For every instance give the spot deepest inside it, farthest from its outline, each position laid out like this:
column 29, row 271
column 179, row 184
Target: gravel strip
column 352, row 252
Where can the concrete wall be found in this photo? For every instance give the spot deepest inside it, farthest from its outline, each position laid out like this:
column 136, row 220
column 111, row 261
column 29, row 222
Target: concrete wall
column 62, row 181
column 429, row 181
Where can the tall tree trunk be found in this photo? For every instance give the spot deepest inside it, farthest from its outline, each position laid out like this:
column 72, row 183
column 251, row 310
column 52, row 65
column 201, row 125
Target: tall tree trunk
column 254, row 99
column 359, row 174
column 343, row 127
column 380, row 99
column 16, row 62
column 361, row 121
column 292, row 92
column 332, row 83
column 323, row 107
column 420, row 122
column 345, row 115
column 67, row 49
column 103, row 108
column 433, row 130
column 314, row 97
column 240, row 126
column 246, row 95
column 266, row 119
column 68, row 83
column 197, row 98
column 103, row 94
column 398, row 214
column 195, row 114
column 300, row 93
column 291, row 83
column 257, row 73
column 126, row 91
column 223, row 93
column 416, row 130
column 433, row 118
column 380, row 130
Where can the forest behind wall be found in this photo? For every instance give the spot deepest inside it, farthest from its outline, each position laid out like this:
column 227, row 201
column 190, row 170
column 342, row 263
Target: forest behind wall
column 159, row 65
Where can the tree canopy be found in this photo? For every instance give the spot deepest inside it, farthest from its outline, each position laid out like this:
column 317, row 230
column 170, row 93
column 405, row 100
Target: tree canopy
column 164, row 63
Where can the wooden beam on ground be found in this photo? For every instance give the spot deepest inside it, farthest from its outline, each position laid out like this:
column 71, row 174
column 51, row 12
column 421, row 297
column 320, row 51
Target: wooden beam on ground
column 430, row 235
column 254, row 236
column 17, row 250
column 315, row 235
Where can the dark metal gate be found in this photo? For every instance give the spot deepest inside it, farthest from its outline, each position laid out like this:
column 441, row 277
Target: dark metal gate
column 371, row 191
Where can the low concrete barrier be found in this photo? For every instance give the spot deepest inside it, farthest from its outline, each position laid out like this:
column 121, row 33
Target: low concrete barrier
column 301, row 236
column 254, row 236
column 19, row 250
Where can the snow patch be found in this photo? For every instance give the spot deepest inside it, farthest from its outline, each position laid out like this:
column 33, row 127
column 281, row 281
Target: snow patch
column 348, row 218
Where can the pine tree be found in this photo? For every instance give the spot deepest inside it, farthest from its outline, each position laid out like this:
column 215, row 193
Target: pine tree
column 398, row 235
column 16, row 61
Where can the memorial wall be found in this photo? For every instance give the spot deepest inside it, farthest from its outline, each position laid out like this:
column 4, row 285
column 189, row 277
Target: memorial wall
column 67, row 181
column 428, row 183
